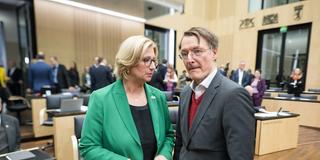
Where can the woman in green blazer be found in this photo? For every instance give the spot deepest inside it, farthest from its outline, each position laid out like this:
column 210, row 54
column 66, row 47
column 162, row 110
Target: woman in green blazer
column 129, row 119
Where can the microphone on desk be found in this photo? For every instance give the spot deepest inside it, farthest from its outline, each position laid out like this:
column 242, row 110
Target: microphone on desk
column 279, row 111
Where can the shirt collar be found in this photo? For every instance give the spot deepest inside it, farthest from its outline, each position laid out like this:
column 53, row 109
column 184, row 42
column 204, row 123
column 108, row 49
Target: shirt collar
column 206, row 82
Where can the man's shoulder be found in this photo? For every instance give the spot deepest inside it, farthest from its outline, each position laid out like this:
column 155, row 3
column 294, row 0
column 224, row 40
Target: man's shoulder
column 9, row 118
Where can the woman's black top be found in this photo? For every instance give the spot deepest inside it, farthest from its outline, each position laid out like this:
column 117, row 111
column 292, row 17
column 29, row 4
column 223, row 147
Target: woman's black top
column 142, row 118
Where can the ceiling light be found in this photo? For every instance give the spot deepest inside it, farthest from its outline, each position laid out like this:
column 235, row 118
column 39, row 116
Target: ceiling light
column 99, row 10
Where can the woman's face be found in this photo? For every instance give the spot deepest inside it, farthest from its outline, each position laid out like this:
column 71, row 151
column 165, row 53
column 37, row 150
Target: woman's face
column 257, row 74
column 143, row 71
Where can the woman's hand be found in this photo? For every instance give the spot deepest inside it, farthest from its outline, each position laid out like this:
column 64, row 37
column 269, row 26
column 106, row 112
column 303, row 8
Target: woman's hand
column 160, row 157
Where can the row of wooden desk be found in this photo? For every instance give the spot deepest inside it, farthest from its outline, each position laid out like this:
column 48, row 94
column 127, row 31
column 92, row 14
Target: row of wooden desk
column 271, row 134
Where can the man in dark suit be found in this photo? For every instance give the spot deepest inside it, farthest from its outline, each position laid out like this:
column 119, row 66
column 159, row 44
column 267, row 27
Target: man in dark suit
column 240, row 76
column 162, row 68
column 101, row 76
column 15, row 82
column 40, row 74
column 59, row 74
column 216, row 118
column 9, row 133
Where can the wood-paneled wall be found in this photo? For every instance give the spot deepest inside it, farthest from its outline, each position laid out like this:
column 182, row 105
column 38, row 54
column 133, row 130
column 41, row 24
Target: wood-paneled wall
column 74, row 34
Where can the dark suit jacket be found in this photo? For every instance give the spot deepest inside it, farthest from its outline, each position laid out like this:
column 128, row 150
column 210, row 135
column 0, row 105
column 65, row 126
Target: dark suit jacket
column 101, row 76
column 295, row 88
column 223, row 127
column 245, row 78
column 63, row 77
column 40, row 74
column 13, row 84
column 12, row 129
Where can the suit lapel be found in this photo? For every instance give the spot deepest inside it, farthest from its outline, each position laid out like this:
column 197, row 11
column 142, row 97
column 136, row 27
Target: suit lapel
column 154, row 111
column 209, row 96
column 122, row 105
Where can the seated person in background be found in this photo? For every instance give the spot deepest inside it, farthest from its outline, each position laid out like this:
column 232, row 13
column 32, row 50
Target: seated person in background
column 295, row 84
column 9, row 133
column 258, row 88
column 171, row 78
column 183, row 79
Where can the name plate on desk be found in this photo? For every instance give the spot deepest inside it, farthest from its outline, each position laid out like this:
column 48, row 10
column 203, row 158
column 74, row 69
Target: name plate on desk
column 20, row 155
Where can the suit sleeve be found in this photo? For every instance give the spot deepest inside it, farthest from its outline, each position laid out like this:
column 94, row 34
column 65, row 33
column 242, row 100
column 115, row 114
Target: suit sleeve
column 178, row 143
column 66, row 75
column 17, row 126
column 90, row 146
column 239, row 125
column 166, row 149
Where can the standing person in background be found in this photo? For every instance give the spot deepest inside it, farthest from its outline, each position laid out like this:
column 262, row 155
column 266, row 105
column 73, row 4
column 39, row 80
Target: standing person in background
column 171, row 78
column 258, row 88
column 296, row 84
column 162, row 68
column 60, row 75
column 100, row 75
column 221, row 70
column 40, row 74
column 86, row 79
column 74, row 75
column 240, row 76
column 15, row 82
column 216, row 120
column 251, row 75
column 129, row 119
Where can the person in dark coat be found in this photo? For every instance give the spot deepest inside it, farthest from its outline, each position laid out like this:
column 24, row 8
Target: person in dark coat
column 9, row 133
column 258, row 88
column 296, row 84
column 240, row 76
column 101, row 76
column 15, row 82
column 74, row 75
column 60, row 75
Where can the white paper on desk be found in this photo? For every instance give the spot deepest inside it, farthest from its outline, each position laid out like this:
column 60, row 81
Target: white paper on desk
column 84, row 108
column 271, row 114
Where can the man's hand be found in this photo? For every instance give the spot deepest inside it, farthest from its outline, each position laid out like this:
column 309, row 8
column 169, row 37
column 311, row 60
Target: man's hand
column 160, row 157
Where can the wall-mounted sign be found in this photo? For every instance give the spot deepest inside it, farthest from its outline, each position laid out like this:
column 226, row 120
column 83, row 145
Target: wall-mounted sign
column 246, row 23
column 298, row 12
column 270, row 19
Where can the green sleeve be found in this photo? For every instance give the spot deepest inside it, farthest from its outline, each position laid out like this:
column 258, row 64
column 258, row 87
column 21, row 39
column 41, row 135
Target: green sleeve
column 91, row 137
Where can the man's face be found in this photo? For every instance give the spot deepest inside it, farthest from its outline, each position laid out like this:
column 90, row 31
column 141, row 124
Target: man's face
column 242, row 65
column 199, row 61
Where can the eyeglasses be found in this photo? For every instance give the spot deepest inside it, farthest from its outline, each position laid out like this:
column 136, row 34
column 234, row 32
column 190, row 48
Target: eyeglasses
column 148, row 61
column 196, row 52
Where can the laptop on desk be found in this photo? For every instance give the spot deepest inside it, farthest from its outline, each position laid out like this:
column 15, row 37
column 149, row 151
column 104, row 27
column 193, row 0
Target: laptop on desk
column 70, row 105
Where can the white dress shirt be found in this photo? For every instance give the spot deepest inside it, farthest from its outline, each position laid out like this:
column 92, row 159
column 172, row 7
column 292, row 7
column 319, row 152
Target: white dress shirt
column 201, row 88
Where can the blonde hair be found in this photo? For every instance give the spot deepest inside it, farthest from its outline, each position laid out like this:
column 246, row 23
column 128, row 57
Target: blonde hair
column 130, row 52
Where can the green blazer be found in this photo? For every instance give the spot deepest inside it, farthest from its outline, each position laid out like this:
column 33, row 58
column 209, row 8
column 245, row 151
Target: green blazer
column 109, row 131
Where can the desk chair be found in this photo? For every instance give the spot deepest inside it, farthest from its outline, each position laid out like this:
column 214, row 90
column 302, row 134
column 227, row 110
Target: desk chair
column 170, row 96
column 18, row 104
column 53, row 102
column 78, row 122
column 86, row 98
column 174, row 115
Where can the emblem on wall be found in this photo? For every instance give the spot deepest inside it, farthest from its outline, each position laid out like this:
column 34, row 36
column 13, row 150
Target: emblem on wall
column 270, row 19
column 298, row 12
column 246, row 23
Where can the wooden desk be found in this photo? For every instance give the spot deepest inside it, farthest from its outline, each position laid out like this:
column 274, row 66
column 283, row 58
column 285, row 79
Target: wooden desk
column 39, row 130
column 276, row 134
column 309, row 110
column 63, row 125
